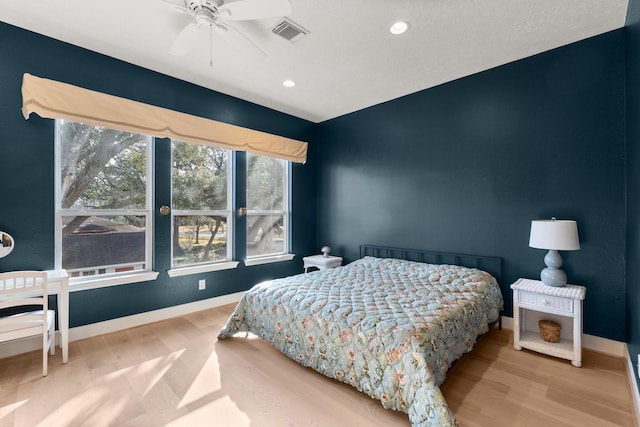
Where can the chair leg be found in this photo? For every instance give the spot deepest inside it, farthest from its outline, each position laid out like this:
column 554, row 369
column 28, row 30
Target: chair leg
column 52, row 343
column 45, row 350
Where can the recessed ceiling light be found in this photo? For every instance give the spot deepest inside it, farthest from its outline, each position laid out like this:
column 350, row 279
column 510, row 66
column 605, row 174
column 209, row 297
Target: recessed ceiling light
column 288, row 83
column 399, row 27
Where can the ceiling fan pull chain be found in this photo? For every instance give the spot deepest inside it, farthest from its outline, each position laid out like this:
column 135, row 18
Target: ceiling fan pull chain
column 211, row 45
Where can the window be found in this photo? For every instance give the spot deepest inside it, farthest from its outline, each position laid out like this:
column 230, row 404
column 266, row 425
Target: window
column 103, row 195
column 267, row 206
column 202, row 226
column 104, row 206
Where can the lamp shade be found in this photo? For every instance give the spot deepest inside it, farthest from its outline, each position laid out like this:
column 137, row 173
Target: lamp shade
column 560, row 235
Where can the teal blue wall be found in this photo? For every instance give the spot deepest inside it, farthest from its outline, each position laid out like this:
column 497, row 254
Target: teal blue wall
column 26, row 175
column 633, row 177
column 465, row 166
column 461, row 167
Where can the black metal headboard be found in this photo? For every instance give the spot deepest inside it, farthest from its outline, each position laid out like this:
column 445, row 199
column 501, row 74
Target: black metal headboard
column 490, row 264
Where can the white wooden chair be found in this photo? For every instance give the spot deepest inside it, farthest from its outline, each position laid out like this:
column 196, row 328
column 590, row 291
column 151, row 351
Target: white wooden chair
column 27, row 289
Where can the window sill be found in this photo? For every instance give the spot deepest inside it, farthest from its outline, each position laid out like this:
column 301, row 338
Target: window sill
column 204, row 268
column 93, row 282
column 268, row 259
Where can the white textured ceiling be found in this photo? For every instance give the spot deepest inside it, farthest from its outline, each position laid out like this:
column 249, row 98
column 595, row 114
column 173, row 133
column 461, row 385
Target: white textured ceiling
column 349, row 61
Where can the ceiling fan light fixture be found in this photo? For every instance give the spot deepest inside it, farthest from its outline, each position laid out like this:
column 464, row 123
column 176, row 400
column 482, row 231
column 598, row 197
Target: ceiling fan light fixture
column 399, row 27
column 203, row 20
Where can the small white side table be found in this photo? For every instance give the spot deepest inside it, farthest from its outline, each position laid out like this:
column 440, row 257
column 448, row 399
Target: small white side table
column 531, row 297
column 321, row 262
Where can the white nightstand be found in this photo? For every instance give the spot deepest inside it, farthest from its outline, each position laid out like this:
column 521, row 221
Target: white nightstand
column 321, row 262
column 532, row 298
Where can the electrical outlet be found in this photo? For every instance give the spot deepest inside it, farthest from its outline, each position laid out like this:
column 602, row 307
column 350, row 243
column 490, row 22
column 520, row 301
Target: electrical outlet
column 202, row 284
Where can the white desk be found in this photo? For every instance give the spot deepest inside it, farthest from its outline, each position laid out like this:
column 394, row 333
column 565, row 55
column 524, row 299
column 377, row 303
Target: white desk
column 58, row 284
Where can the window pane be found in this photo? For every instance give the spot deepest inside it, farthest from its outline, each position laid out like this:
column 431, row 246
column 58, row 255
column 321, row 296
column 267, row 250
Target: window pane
column 265, row 235
column 199, row 239
column 199, row 177
column 101, row 168
column 267, row 204
column 201, row 209
column 107, row 244
column 102, row 214
column 265, row 183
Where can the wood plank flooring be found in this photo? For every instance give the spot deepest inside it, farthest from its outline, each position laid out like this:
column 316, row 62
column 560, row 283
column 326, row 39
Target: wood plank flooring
column 175, row 373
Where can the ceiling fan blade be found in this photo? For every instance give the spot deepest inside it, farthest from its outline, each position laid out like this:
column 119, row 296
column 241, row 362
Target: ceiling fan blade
column 254, row 9
column 240, row 41
column 185, row 40
column 175, row 7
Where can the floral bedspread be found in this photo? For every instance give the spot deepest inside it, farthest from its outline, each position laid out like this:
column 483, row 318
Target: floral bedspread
column 391, row 328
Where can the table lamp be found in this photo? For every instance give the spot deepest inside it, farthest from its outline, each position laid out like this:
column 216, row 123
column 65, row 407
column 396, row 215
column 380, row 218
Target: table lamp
column 554, row 235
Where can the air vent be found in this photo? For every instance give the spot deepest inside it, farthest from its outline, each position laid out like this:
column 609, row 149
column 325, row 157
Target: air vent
column 290, row 31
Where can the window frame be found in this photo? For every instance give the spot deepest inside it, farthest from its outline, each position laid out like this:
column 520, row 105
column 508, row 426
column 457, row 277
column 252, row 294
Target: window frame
column 203, row 267
column 108, row 279
column 286, row 254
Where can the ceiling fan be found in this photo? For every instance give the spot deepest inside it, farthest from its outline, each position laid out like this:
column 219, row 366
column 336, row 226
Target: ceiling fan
column 216, row 15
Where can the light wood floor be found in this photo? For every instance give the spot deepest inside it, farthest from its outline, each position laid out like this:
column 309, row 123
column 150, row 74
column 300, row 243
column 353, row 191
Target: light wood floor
column 175, row 373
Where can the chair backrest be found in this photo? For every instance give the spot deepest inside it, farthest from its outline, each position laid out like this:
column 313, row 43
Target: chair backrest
column 27, row 287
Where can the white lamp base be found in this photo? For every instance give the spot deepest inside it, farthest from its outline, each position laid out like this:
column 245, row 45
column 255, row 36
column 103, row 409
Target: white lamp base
column 553, row 275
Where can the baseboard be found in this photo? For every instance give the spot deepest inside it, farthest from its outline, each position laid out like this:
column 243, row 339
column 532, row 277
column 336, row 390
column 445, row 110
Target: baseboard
column 634, row 385
column 94, row 329
column 81, row 332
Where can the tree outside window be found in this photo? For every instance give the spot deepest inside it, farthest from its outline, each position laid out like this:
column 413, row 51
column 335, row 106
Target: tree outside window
column 200, row 182
column 267, row 206
column 102, row 199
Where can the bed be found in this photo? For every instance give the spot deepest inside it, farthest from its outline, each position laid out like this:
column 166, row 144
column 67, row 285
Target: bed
column 390, row 323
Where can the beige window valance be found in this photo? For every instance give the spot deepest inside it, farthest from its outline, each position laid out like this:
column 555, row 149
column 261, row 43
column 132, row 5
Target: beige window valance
column 56, row 100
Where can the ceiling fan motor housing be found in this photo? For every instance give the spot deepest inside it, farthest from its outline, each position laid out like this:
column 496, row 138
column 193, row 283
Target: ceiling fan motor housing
column 205, row 11
column 212, row 5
